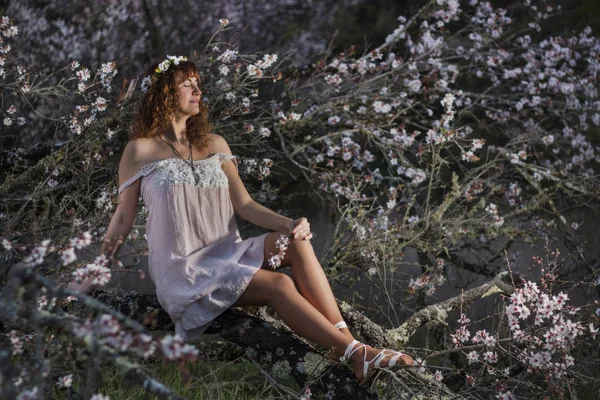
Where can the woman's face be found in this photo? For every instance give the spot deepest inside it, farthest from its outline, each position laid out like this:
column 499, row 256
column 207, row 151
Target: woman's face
column 188, row 95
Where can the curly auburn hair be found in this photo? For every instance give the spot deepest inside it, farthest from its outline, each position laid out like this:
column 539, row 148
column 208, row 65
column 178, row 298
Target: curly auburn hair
column 159, row 103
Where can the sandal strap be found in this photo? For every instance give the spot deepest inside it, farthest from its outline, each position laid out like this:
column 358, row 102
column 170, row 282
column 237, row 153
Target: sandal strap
column 340, row 325
column 355, row 349
column 349, row 351
column 379, row 358
column 395, row 358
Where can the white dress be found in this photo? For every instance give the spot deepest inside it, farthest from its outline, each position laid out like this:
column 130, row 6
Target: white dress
column 197, row 259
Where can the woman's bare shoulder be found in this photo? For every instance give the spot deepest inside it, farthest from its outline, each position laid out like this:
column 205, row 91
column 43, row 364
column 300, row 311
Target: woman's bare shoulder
column 137, row 153
column 218, row 144
column 143, row 143
column 140, row 149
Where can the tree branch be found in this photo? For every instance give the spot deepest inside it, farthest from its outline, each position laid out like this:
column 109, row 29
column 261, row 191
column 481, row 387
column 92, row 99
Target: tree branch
column 439, row 312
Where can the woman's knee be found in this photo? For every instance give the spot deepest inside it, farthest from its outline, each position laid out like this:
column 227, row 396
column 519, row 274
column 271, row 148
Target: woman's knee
column 298, row 248
column 281, row 286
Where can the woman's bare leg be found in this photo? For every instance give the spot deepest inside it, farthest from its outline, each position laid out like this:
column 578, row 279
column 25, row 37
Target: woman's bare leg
column 309, row 276
column 278, row 291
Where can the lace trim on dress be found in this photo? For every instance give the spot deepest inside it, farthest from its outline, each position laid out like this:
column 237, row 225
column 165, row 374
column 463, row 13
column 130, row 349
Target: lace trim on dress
column 172, row 171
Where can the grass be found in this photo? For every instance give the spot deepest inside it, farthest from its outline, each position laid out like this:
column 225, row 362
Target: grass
column 206, row 380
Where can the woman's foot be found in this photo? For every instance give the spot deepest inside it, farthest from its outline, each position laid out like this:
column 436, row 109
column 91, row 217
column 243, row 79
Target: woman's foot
column 371, row 358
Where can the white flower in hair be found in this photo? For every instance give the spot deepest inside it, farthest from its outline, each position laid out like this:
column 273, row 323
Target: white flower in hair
column 146, row 82
column 176, row 59
column 162, row 67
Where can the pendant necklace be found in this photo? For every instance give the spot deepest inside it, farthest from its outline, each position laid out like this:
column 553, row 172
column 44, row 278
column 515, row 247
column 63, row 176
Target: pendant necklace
column 190, row 162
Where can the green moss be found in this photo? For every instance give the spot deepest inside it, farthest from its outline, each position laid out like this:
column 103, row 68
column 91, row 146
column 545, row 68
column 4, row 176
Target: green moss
column 282, row 369
column 313, row 364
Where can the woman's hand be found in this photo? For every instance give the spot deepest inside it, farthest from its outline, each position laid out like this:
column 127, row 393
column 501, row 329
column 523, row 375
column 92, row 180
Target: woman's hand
column 301, row 229
column 85, row 287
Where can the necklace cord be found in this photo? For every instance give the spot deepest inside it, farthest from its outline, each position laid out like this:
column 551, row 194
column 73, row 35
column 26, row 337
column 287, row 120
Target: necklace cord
column 190, row 162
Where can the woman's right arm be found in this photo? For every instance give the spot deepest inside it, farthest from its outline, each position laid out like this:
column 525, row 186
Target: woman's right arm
column 122, row 220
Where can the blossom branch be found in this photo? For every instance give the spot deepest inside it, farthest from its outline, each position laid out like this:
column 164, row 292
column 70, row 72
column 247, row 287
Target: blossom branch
column 439, row 312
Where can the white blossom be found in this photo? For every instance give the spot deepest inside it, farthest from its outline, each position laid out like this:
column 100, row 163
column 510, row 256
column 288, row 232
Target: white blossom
column 265, row 132
column 68, row 255
column 83, row 74
column 381, row 107
column 223, row 70
column 100, row 104
column 414, row 85
column 65, row 381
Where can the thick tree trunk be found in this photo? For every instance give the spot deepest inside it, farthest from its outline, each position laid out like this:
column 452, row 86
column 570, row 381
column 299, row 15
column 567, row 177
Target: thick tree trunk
column 263, row 337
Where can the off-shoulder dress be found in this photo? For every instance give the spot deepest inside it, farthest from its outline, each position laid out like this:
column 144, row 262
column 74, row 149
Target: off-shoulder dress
column 197, row 260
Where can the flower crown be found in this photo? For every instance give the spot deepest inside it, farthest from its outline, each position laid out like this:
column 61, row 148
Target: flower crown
column 162, row 67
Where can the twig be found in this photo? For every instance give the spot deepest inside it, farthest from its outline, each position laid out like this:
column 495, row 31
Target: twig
column 272, row 380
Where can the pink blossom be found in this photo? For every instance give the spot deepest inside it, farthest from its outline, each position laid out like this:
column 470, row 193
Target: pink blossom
column 97, row 272
column 414, row 85
column 482, row 336
column 100, row 104
column 171, row 346
column 490, row 357
column 107, row 325
column 477, row 144
column 381, row 107
column 267, row 61
column 334, row 79
column 253, row 70
column 505, row 395
column 461, row 335
column 227, row 56
column 83, row 74
column 65, row 381
column 334, row 120
column 463, row 319
column 421, row 365
column 473, row 357
column 68, row 255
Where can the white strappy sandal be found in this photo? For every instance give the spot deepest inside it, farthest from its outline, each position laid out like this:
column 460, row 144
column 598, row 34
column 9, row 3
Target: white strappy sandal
column 352, row 348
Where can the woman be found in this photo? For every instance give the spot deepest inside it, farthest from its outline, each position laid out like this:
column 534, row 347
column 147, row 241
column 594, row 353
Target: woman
column 189, row 182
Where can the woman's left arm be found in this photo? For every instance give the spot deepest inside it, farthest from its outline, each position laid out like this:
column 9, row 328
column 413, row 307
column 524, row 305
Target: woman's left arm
column 250, row 210
column 262, row 216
